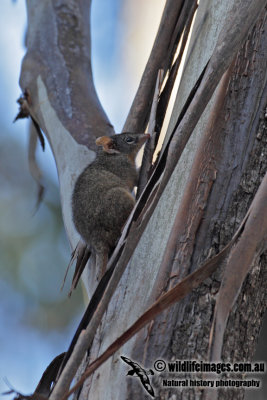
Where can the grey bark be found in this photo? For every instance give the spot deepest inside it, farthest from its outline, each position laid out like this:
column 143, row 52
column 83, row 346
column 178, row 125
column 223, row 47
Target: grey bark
column 57, row 72
column 241, row 135
column 183, row 331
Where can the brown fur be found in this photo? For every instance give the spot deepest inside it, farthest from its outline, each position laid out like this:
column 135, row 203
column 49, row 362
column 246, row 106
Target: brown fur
column 102, row 199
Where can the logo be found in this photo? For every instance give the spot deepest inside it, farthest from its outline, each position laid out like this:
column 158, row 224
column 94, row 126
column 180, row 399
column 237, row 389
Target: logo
column 140, row 373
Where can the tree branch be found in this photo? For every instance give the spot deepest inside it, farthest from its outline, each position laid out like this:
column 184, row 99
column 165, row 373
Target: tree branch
column 56, row 73
column 172, row 24
column 231, row 37
column 178, row 292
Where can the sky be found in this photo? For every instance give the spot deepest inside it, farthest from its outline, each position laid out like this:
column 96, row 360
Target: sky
column 27, row 349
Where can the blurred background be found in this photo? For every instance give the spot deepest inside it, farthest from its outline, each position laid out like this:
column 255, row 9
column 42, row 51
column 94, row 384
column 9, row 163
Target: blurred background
column 37, row 321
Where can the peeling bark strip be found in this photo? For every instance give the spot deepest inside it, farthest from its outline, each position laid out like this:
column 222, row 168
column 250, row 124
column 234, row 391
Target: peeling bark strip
column 87, row 316
column 25, row 102
column 62, row 105
column 35, row 171
column 94, row 312
column 150, row 145
column 44, row 386
column 230, row 39
column 241, row 125
column 252, row 242
column 185, row 22
column 177, row 257
column 232, row 35
column 166, row 93
column 175, row 294
column 173, row 21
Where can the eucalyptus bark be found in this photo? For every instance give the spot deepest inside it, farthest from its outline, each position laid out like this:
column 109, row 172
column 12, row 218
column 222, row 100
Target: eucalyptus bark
column 183, row 331
column 56, row 71
column 234, row 146
column 213, row 185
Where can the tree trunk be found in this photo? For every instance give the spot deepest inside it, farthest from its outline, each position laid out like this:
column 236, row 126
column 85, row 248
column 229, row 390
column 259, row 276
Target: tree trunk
column 57, row 73
column 202, row 206
column 231, row 140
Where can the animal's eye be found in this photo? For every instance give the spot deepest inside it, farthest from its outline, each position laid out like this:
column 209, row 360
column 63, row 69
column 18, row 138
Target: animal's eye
column 129, row 140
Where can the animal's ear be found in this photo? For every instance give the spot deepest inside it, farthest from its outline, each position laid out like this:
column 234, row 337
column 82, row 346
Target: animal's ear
column 107, row 144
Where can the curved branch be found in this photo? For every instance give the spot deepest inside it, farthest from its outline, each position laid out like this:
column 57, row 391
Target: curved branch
column 57, row 74
column 59, row 51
